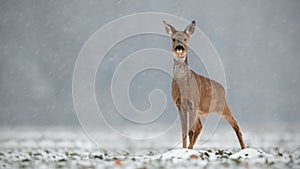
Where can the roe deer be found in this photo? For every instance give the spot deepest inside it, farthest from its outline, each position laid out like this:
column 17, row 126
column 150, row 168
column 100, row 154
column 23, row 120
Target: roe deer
column 195, row 95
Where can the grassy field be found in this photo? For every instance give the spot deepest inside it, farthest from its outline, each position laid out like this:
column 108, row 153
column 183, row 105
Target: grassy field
column 71, row 148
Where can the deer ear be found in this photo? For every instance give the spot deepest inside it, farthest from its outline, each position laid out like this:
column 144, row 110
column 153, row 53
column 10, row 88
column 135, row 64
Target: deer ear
column 169, row 29
column 190, row 29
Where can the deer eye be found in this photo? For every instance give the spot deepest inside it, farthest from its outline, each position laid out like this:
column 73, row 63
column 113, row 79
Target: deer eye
column 173, row 39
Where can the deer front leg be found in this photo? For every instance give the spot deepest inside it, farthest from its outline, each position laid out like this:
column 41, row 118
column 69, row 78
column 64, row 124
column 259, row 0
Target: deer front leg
column 192, row 131
column 183, row 121
column 187, row 106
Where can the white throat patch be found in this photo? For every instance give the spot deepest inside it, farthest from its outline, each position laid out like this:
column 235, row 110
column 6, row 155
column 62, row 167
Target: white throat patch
column 180, row 59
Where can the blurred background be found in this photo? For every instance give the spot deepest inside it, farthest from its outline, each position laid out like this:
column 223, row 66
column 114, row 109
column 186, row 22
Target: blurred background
column 258, row 43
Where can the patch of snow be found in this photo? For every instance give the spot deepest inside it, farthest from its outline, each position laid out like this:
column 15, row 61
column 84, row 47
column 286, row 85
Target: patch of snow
column 250, row 153
column 70, row 149
column 178, row 154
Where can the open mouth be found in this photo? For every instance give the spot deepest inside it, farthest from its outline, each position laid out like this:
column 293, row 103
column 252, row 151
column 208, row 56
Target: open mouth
column 179, row 51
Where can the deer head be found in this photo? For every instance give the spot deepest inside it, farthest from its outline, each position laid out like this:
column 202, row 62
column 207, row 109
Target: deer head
column 180, row 40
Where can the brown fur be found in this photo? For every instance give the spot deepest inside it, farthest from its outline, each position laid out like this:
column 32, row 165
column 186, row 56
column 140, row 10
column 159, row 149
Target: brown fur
column 195, row 95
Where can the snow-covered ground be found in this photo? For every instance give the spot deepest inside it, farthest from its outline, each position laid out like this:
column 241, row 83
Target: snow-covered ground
column 71, row 148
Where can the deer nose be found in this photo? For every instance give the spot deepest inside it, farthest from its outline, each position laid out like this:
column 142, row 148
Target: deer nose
column 179, row 48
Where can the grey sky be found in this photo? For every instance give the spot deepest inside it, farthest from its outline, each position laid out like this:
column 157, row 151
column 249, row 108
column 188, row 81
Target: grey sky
column 258, row 42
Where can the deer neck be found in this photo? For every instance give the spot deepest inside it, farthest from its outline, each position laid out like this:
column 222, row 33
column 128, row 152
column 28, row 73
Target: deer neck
column 181, row 70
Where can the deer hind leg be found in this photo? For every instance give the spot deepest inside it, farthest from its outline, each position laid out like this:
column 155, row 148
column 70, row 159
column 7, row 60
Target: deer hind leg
column 197, row 128
column 194, row 131
column 229, row 118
